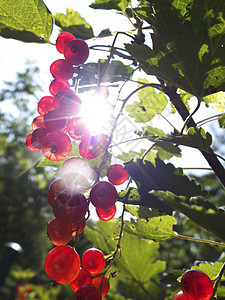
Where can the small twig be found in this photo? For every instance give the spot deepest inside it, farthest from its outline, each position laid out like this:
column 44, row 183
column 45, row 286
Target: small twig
column 189, row 238
column 217, row 281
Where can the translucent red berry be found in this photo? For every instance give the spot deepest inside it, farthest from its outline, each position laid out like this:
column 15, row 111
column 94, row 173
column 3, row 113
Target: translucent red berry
column 54, row 189
column 38, row 122
column 70, row 105
column 59, row 95
column 91, row 146
column 93, row 260
column 76, row 52
column 197, row 284
column 117, row 174
column 77, row 174
column 45, row 105
column 83, row 277
column 56, row 145
column 78, row 227
column 58, row 232
column 63, row 39
column 77, row 128
column 103, row 91
column 54, row 120
column 88, row 292
column 70, row 208
column 180, row 296
column 61, row 68
column 58, row 84
column 103, row 195
column 106, row 214
column 103, row 286
column 29, row 145
column 62, row 264
column 37, row 137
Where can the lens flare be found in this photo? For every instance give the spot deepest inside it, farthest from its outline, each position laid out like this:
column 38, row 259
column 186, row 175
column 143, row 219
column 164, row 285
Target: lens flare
column 97, row 114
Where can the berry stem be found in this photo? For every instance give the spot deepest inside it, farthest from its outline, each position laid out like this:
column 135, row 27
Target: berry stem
column 106, row 153
column 218, row 279
column 188, row 238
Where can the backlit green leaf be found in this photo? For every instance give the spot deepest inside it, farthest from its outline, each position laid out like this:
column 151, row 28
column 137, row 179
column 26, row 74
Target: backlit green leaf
column 25, row 20
column 188, row 40
column 138, row 264
column 74, row 23
column 157, row 228
column 150, row 104
column 111, row 4
column 201, row 212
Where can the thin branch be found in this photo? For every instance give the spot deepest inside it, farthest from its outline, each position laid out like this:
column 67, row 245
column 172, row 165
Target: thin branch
column 184, row 113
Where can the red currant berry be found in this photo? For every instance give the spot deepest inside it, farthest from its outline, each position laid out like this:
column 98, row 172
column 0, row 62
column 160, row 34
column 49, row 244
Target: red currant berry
column 58, row 84
column 56, row 145
column 103, row 287
column 84, row 277
column 180, row 296
column 29, row 145
column 54, row 120
column 88, row 292
column 70, row 105
column 54, row 189
column 91, row 146
column 60, row 68
column 197, row 284
column 76, row 52
column 77, row 174
column 93, row 260
column 78, row 227
column 106, row 214
column 59, row 95
column 58, row 232
column 62, row 264
column 77, row 129
column 37, row 137
column 103, row 195
column 63, row 39
column 104, row 91
column 69, row 208
column 117, row 174
column 45, row 105
column 38, row 122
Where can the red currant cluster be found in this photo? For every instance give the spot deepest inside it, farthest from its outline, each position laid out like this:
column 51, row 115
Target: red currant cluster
column 60, row 113
column 70, row 206
column 195, row 285
column 58, row 122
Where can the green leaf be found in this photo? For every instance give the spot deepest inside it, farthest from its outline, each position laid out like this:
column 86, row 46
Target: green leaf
column 195, row 138
column 187, row 50
column 167, row 151
column 74, row 23
column 157, row 228
column 150, row 104
column 116, row 71
column 138, row 264
column 120, row 5
column 151, row 156
column 217, row 99
column 162, row 177
column 201, row 212
column 25, row 20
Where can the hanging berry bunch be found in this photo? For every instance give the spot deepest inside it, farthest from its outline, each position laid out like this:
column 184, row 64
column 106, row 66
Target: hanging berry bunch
column 59, row 121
